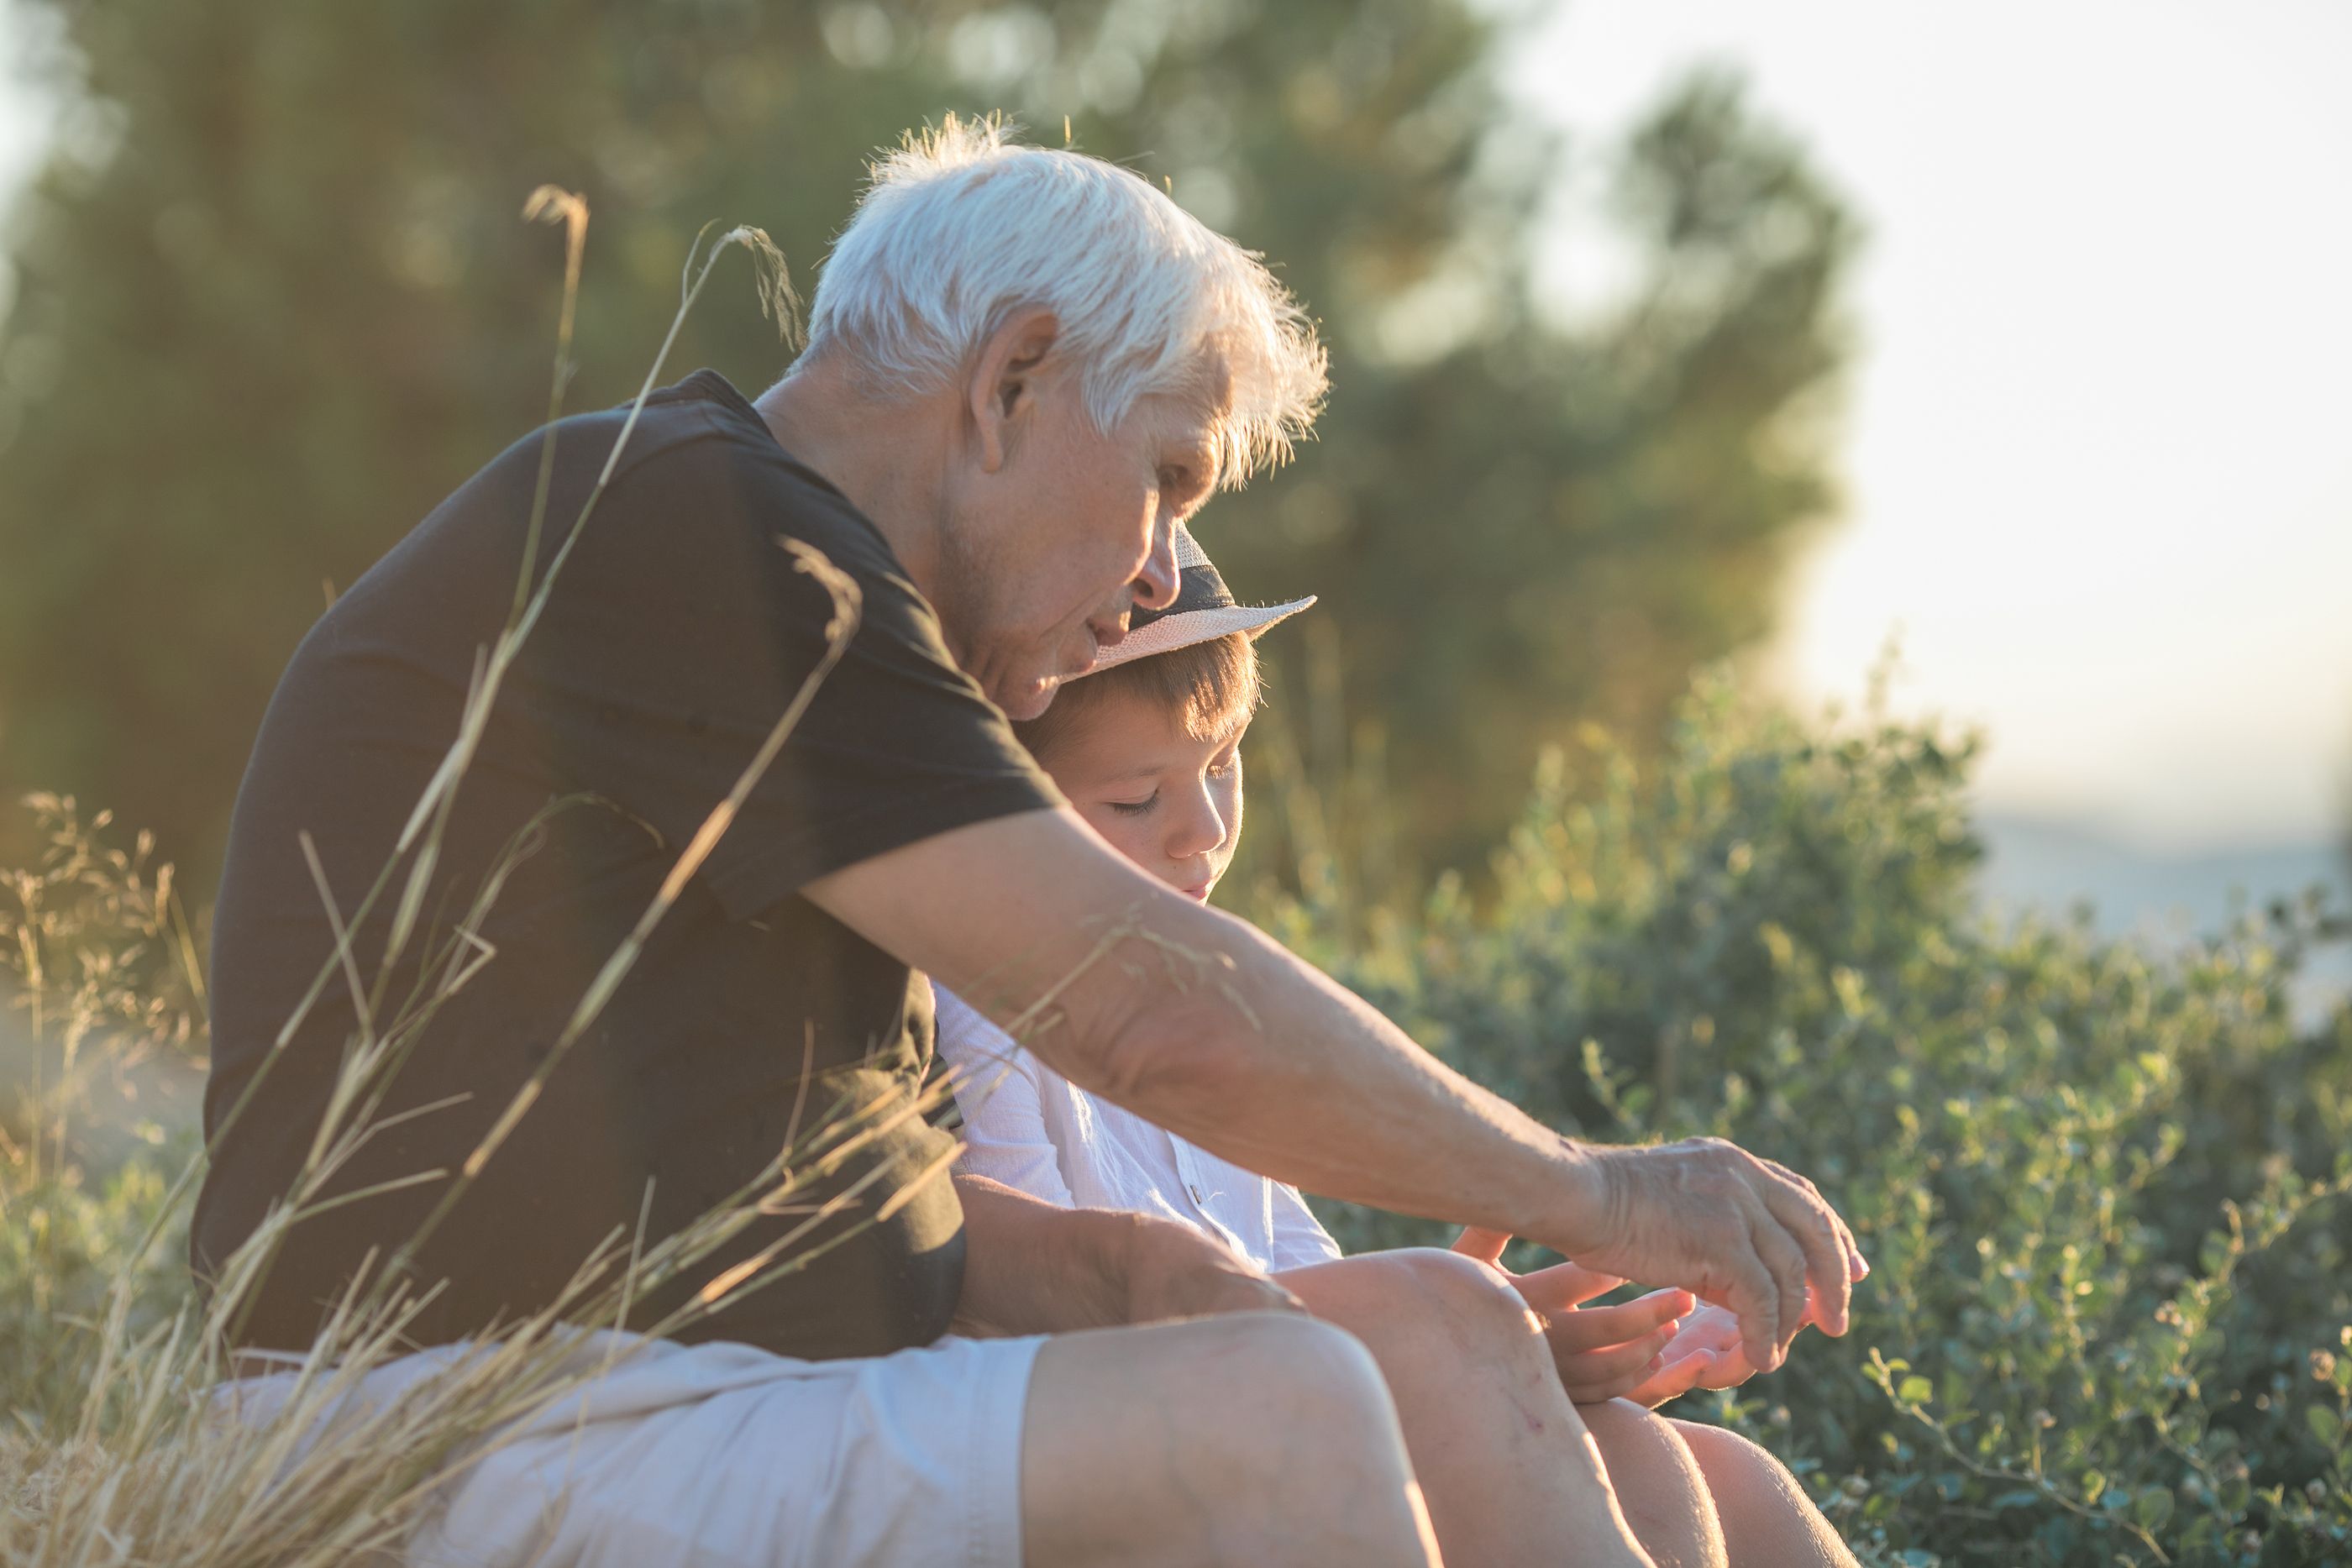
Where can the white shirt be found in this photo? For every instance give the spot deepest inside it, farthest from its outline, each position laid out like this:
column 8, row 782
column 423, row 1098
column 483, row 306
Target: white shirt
column 1034, row 1130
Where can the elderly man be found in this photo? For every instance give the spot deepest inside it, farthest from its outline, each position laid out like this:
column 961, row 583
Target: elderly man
column 1025, row 368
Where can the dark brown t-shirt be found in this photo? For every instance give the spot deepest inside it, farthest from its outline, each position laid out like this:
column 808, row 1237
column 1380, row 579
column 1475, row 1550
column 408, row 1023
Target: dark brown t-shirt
column 676, row 634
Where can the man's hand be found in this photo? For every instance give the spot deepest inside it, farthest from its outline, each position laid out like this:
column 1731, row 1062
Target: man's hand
column 1728, row 1227
column 1171, row 1270
column 1602, row 1353
column 1034, row 1267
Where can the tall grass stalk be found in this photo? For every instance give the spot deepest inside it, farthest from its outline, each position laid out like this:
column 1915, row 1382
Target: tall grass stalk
column 152, row 1455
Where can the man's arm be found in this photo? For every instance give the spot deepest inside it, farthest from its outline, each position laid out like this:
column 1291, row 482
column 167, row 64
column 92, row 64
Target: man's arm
column 1034, row 1267
column 1197, row 1021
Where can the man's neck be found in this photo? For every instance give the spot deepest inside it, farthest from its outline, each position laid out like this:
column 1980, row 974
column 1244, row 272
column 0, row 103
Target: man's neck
column 864, row 449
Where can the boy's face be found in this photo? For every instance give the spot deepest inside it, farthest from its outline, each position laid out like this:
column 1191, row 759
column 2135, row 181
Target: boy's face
column 1170, row 803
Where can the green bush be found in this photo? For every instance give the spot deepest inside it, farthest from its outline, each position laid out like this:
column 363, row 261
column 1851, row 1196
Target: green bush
column 2107, row 1321
column 2110, row 1318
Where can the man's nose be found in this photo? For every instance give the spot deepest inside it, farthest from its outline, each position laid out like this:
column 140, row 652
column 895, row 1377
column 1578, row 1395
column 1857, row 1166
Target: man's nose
column 1155, row 587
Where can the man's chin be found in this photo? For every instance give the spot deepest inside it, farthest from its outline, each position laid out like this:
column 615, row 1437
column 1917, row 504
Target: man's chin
column 1034, row 698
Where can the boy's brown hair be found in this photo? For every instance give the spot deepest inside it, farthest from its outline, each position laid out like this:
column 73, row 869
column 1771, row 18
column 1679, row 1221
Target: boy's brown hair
column 1210, row 688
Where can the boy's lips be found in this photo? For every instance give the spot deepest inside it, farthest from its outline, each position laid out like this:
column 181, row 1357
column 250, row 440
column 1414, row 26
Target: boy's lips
column 1200, row 892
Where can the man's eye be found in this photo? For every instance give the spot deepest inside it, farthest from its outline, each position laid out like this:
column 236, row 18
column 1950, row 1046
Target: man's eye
column 1134, row 808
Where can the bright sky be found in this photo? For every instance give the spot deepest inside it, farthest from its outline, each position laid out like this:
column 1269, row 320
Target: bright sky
column 24, row 120
column 2098, row 451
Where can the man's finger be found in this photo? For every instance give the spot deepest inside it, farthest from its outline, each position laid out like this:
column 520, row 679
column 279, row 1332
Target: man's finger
column 1487, row 1245
column 1857, row 1267
column 1786, row 1259
column 1754, row 1297
column 1807, row 1220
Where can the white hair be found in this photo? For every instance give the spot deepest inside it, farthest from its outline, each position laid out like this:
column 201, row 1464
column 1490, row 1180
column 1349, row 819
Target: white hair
column 960, row 227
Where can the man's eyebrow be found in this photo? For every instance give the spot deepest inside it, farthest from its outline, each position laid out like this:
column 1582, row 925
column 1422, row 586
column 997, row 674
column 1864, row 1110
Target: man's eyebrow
column 1216, row 467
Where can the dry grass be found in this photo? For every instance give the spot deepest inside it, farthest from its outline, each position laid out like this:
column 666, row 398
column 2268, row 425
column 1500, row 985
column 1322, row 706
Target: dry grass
column 122, row 1446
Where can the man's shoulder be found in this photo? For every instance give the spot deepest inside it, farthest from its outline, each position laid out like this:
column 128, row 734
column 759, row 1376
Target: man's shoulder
column 705, row 446
column 691, row 486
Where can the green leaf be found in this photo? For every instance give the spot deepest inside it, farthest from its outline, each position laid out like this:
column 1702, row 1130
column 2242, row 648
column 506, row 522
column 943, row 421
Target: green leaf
column 2154, row 1507
column 2324, row 1424
column 1916, row 1390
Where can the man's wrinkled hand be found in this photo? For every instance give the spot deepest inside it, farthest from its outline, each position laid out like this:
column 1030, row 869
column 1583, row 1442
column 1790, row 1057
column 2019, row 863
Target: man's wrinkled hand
column 1173, row 1271
column 1715, row 1220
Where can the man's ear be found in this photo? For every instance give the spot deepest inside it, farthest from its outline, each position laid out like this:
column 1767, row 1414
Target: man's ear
column 1003, row 387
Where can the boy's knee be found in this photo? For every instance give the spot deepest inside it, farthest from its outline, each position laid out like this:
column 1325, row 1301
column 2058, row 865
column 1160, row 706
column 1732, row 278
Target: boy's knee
column 1727, row 1457
column 1464, row 1295
column 1627, row 1432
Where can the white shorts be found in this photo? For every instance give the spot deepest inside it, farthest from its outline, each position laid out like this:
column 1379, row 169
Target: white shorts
column 722, row 1453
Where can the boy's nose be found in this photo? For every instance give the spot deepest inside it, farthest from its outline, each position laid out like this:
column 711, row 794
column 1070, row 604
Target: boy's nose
column 1198, row 829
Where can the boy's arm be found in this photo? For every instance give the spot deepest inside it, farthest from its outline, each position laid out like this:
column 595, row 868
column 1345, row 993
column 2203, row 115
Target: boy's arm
column 1005, row 1134
column 1195, row 1020
column 1300, row 1241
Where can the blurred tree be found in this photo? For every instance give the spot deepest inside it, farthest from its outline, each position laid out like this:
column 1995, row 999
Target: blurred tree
column 273, row 302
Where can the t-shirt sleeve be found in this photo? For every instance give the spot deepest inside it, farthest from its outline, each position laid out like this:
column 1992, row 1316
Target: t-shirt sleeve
column 695, row 625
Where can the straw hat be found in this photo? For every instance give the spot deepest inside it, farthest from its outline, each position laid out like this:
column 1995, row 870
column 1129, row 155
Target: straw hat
column 1204, row 609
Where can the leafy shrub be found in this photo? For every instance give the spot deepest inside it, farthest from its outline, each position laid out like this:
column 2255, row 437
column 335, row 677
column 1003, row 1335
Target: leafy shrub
column 2108, row 1316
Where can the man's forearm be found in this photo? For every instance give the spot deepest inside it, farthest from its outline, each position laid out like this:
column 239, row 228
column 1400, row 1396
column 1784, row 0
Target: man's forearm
column 1263, row 1060
column 1199, row 1022
column 1031, row 1267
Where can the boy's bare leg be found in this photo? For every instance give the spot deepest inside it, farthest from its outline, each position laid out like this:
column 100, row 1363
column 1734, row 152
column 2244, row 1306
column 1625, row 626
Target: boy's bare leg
column 1512, row 1475
column 1764, row 1509
column 1659, row 1485
column 1253, row 1439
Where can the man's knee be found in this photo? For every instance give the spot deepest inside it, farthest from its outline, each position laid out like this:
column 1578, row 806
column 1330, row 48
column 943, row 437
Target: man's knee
column 1291, row 1371
column 1215, row 1440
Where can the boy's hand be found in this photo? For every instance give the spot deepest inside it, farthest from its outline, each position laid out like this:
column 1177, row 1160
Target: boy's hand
column 1705, row 1352
column 1602, row 1353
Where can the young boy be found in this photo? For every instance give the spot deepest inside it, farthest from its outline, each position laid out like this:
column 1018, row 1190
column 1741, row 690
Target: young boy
column 1147, row 748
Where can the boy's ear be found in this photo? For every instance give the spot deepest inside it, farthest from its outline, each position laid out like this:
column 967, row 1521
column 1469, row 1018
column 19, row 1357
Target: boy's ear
column 1003, row 388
